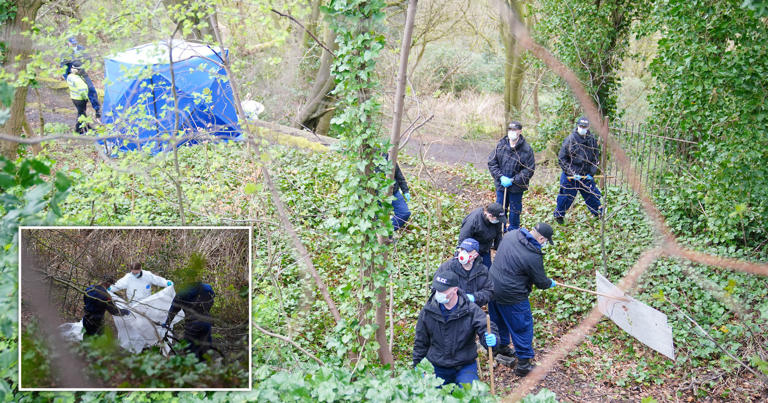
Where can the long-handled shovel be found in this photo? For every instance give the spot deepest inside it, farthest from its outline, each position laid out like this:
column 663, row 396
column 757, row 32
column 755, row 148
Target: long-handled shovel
column 490, row 355
column 592, row 292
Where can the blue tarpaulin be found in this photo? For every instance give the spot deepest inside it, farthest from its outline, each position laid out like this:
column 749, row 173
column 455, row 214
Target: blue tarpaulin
column 139, row 101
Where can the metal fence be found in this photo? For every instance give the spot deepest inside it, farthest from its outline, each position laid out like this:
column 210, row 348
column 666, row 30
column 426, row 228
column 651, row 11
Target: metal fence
column 654, row 152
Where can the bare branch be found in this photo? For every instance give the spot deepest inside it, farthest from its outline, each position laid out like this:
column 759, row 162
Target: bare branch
column 319, row 42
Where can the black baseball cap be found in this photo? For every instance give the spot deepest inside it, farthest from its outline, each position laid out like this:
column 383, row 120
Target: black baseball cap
column 583, row 122
column 445, row 280
column 496, row 210
column 545, row 230
column 515, row 125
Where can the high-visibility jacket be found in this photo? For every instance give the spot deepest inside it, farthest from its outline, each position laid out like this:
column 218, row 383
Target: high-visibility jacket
column 78, row 89
column 138, row 288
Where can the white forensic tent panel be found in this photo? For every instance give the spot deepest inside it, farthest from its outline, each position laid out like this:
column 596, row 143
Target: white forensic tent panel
column 642, row 322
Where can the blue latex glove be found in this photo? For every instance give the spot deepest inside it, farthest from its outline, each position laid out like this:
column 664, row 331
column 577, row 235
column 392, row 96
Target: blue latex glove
column 505, row 181
column 589, row 177
column 170, row 283
column 165, row 325
column 471, row 297
column 407, row 196
column 554, row 284
column 577, row 177
column 124, row 312
column 490, row 339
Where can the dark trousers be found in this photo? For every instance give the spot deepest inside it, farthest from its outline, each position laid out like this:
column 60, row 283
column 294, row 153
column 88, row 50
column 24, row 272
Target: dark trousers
column 81, row 105
column 515, row 203
column 515, row 321
column 465, row 374
column 93, row 324
column 568, row 189
column 198, row 334
column 486, row 259
column 401, row 211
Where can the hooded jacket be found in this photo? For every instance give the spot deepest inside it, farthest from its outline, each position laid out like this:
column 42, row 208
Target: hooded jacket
column 517, row 163
column 519, row 264
column 579, row 155
column 476, row 226
column 476, row 281
column 449, row 343
column 138, row 288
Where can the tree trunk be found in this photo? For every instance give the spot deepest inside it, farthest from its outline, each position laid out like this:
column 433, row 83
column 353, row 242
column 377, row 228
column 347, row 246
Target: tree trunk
column 319, row 101
column 314, row 16
column 198, row 33
column 18, row 48
column 514, row 69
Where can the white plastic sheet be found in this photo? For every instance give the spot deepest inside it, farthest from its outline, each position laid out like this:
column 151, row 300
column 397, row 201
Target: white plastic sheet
column 137, row 330
column 642, row 322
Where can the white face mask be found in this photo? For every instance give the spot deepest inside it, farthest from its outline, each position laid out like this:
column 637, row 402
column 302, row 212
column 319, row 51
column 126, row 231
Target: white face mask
column 545, row 245
column 136, row 274
column 464, row 257
column 512, row 135
column 494, row 221
column 440, row 297
column 582, row 130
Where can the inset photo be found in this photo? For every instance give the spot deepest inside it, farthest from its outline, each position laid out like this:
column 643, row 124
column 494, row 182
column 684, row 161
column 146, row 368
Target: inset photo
column 134, row 308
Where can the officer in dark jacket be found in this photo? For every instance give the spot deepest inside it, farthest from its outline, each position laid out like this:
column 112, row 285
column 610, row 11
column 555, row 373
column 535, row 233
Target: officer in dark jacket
column 473, row 276
column 196, row 300
column 97, row 301
column 512, row 164
column 579, row 158
column 445, row 332
column 519, row 264
column 484, row 225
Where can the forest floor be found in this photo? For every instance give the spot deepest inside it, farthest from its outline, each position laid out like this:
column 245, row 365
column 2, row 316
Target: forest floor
column 437, row 159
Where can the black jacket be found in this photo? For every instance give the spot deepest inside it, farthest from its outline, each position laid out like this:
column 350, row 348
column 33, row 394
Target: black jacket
column 400, row 183
column 196, row 300
column 579, row 155
column 449, row 343
column 519, row 264
column 476, row 281
column 518, row 164
column 97, row 301
column 476, row 226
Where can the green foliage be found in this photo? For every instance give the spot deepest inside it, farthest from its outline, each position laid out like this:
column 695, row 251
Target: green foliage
column 544, row 396
column 591, row 38
column 710, row 61
column 30, row 196
column 456, row 68
column 326, row 384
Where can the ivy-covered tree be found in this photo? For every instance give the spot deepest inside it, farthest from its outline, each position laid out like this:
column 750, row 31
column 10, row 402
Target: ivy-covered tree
column 711, row 67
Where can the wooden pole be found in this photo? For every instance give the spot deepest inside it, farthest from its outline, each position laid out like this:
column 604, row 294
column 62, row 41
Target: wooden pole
column 490, row 356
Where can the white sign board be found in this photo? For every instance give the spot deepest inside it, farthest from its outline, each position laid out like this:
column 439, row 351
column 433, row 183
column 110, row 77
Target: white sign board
column 642, row 322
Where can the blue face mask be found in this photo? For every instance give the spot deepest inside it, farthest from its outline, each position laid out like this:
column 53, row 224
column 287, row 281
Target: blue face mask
column 441, row 298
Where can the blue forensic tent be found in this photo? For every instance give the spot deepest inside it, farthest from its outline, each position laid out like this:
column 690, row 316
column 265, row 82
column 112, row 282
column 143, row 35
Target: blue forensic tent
column 138, row 98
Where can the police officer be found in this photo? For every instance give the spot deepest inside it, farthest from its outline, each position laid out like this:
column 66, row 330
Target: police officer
column 445, row 332
column 579, row 157
column 138, row 283
column 486, row 226
column 76, row 54
column 196, row 299
column 97, row 301
column 519, row 265
column 470, row 271
column 78, row 93
column 512, row 165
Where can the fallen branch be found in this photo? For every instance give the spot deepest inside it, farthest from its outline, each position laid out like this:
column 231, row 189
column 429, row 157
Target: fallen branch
column 291, row 342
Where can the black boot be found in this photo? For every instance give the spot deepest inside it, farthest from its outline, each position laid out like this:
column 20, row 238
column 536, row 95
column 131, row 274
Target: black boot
column 503, row 350
column 524, row 366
